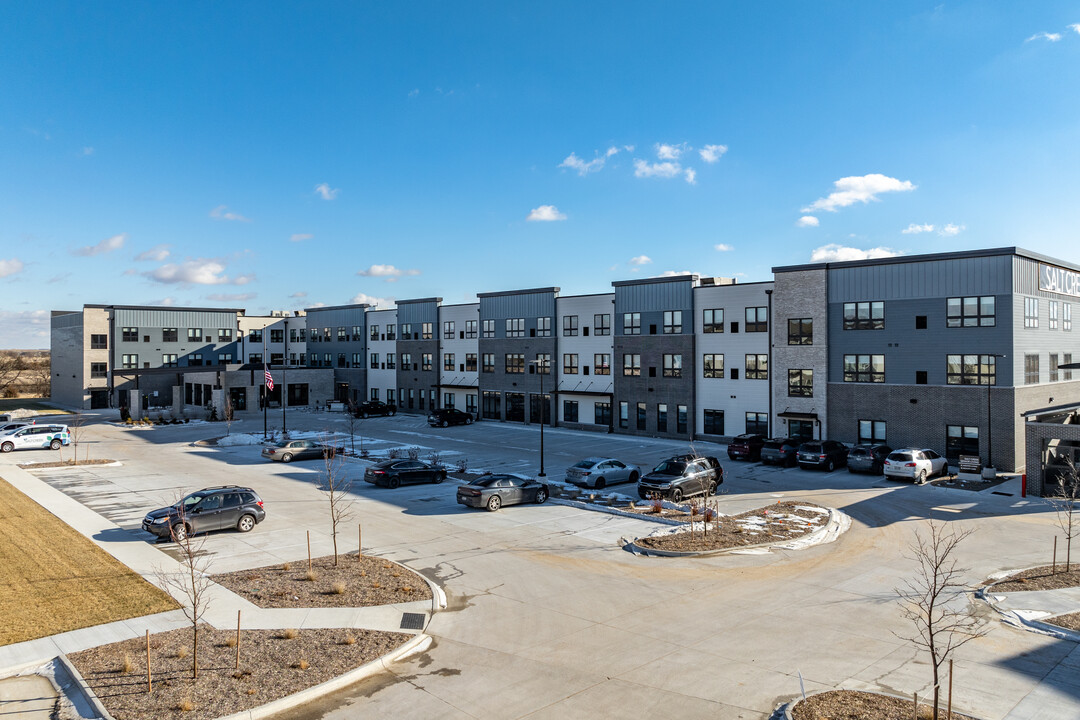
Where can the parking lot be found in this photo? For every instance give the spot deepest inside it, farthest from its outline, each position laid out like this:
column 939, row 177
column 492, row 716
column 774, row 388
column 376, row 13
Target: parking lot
column 548, row 616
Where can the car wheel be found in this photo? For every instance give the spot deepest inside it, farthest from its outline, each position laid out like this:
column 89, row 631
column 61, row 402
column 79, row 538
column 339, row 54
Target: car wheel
column 494, row 503
column 920, row 477
column 633, row 477
column 829, row 466
column 444, row 424
column 643, row 496
column 393, row 483
column 287, row 457
column 392, row 412
column 439, row 477
column 712, row 488
column 541, row 496
column 945, row 470
column 246, row 523
column 179, row 532
column 55, row 445
column 676, row 495
column 601, row 483
column 363, row 416
column 468, row 421
column 7, row 447
column 851, row 469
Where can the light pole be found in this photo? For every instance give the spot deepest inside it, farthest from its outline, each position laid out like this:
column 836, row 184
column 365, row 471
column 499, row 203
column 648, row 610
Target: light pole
column 989, row 424
column 540, row 371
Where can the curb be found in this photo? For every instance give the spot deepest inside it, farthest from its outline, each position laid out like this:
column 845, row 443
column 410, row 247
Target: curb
column 613, row 511
column 789, row 706
column 834, row 523
column 80, row 687
column 1016, row 619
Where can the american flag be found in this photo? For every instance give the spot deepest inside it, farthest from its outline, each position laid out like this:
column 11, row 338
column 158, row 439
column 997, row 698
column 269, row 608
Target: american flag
column 269, row 380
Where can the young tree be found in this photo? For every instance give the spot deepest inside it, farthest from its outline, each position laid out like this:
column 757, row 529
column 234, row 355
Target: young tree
column 191, row 585
column 930, row 599
column 75, row 431
column 335, row 485
column 354, row 410
column 1064, row 504
column 228, row 414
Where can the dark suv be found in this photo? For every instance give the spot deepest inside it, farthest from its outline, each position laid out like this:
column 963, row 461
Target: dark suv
column 868, row 458
column 445, row 417
column 374, row 407
column 215, row 508
column 823, row 454
column 780, row 451
column 682, row 476
column 746, row 447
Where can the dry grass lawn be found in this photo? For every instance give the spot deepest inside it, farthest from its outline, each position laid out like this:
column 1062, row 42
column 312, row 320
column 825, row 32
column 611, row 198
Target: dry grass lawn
column 52, row 579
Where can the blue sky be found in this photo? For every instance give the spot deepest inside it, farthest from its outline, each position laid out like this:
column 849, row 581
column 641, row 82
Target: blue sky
column 279, row 156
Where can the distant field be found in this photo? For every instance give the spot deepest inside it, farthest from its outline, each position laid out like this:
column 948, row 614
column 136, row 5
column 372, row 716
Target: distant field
column 36, row 404
column 53, row 579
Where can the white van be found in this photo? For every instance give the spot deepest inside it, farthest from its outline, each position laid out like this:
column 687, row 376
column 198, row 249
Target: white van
column 35, row 437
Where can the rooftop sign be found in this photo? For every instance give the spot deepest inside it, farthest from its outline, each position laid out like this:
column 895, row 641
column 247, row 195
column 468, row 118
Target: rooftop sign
column 1059, row 280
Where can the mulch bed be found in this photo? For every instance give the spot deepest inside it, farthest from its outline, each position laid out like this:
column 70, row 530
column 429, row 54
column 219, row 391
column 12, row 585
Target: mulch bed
column 954, row 481
column 853, row 705
column 371, row 581
column 1069, row 622
column 775, row 523
column 1040, row 578
column 270, row 668
column 65, row 463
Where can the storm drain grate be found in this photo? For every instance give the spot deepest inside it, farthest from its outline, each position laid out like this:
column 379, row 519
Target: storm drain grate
column 412, row 621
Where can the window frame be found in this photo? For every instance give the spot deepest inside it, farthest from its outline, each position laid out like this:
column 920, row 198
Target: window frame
column 673, row 322
column 800, row 382
column 803, row 332
column 631, row 365
column 708, row 366
column 672, row 365
column 632, row 323
column 970, row 311
column 709, row 322
column 756, row 319
column 570, row 325
column 958, row 369
column 864, row 376
column 853, row 311
column 753, row 369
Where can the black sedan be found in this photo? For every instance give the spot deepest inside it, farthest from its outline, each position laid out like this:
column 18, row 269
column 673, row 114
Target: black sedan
column 494, row 491
column 298, row 450
column 444, row 417
column 374, row 408
column 392, row 473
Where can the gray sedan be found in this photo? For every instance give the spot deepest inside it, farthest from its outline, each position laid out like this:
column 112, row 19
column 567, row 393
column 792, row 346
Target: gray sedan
column 297, row 450
column 494, row 491
column 599, row 472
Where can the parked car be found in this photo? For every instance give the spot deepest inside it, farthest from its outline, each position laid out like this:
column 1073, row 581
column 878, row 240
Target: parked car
column 495, row 491
column 392, row 473
column 868, row 458
column 780, row 451
column 599, row 472
column 298, row 450
column 444, row 417
column 916, row 464
column 372, row 408
column 746, row 447
column 682, row 476
column 822, row 454
column 213, row 508
column 14, row 425
column 35, row 437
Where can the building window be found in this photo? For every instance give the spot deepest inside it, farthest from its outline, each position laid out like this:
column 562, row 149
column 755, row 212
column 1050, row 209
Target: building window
column 602, row 364
column 602, row 413
column 661, row 418
column 391, row 361
column 642, row 410
column 256, row 358
column 448, row 400
column 99, row 370
column 278, row 335
column 800, row 383
column 327, row 362
column 757, row 319
column 570, row 411
column 569, row 364
column 681, row 418
column 864, row 368
column 631, row 323
column 490, row 405
column 602, row 324
column 515, row 327
column 357, row 333
column 194, row 334
column 673, row 322
column 1053, row 367
column 971, row 370
column 325, row 334
column 800, row 331
column 570, row 325
column 129, row 362
column 757, row 423
column 169, row 335
column 864, row 315
column 488, row 329
column 426, row 331
column 391, row 334
column 374, row 361
column 757, row 367
column 624, row 415
column 390, row 395
column 713, row 321
column 131, row 334
column 470, row 329
column 543, row 363
column 448, row 330
column 714, row 422
column 341, row 360
column 975, row 311
column 1066, row 316
column 425, row 361
column 631, row 365
column 226, row 358
column 1052, row 323
column 672, row 366
column 374, row 332
column 961, row 440
column 713, row 366
column 515, row 363
column 470, row 399
column 470, row 362
column 168, row 360
column 448, row 362
column 255, row 335
column 871, row 432
column 406, row 334
column 1066, row 360
column 374, row 394
column 406, row 361
column 1031, row 312
column 99, row 342
column 489, row 362
column 342, row 335
column 1031, row 369
column 543, row 327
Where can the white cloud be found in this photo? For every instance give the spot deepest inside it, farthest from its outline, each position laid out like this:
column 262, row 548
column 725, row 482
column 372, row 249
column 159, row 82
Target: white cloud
column 915, row 229
column 628, row 148
column 222, row 212
column 545, row 213
column 712, row 153
column 87, row 151
column 640, row 260
column 1052, row 37
column 25, row 330
column 864, row 188
column 414, row 92
column 198, row 271
column 164, row 302
column 154, row 254
column 299, row 294
column 673, row 273
column 691, row 176
column 951, row 230
column 130, row 271
column 105, row 246
column 231, row 297
column 318, row 304
column 669, row 152
column 361, row 298
column 389, row 272
column 10, row 267
column 300, row 237
column 838, row 253
column 1075, row 27
column 644, row 169
column 723, row 247
column 808, row 221
column 583, row 168
column 324, row 191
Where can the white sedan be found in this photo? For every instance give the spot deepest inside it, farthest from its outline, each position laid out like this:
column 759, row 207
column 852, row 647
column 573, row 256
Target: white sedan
column 916, row 464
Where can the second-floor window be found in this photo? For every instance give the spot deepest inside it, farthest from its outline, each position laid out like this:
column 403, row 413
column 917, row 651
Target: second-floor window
column 489, row 362
column 869, row 315
column 672, row 322
column 672, row 366
column 974, row 311
column 864, row 368
column 406, row 331
column 131, row 334
column 425, row 361
column 602, row 324
column 489, row 329
column 569, row 364
column 631, row 365
column 391, row 361
column 1052, row 306
column 601, row 364
column 357, row 332
column 194, row 334
column 448, row 330
column 800, row 383
column 800, row 331
column 130, row 361
column 448, row 362
column 99, row 342
column 470, row 362
column 374, row 332
column 543, row 363
column 470, row 329
column 757, row 367
column 713, row 365
column 1031, row 369
column 226, row 335
column 543, row 327
column 168, row 360
column 425, row 331
column 277, row 336
column 757, row 319
column 515, row 363
column 255, row 335
column 515, row 327
column 99, row 370
column 712, row 321
column 570, row 325
column 169, row 335
column 342, row 335
column 631, row 323
column 971, row 369
column 374, row 361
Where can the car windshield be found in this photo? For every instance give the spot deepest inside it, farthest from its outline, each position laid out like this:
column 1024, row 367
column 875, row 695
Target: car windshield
column 811, row 447
column 856, row 452
column 670, row 468
column 900, row 457
column 586, row 464
column 191, row 499
column 774, row 444
column 488, row 481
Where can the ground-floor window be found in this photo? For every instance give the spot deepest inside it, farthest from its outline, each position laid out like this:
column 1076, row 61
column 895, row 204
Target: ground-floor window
column 412, row 398
column 491, row 405
column 515, row 407
column 801, row 430
column 422, row 393
column 298, row 394
column 871, row 431
column 570, row 411
column 374, row 393
column 602, row 413
column 714, row 422
column 641, row 410
column 538, row 403
column 961, row 440
column 661, row 418
column 470, row 404
column 390, row 396
column 448, row 400
column 238, row 398
column 757, row 423
column 681, row 419
column 624, row 415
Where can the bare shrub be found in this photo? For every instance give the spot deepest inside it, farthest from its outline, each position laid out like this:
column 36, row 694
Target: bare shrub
column 350, row 639
column 339, row 588
column 302, row 664
column 230, row 641
column 182, row 652
column 286, row 566
column 433, row 457
column 311, row 576
column 290, row 633
column 413, row 453
column 185, row 705
column 128, row 666
column 462, row 465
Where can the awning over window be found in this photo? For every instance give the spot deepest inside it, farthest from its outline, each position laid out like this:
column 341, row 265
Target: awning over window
column 798, row 416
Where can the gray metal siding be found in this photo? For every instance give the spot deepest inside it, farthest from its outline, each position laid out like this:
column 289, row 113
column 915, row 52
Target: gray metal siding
column 150, row 323
column 415, row 313
column 931, row 278
column 527, row 305
column 341, row 317
column 652, row 300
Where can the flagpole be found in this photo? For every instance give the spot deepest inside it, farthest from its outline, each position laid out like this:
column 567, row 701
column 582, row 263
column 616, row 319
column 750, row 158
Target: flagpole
column 266, row 389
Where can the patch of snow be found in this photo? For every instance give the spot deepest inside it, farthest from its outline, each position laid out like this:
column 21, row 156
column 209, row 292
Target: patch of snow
column 240, row 439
